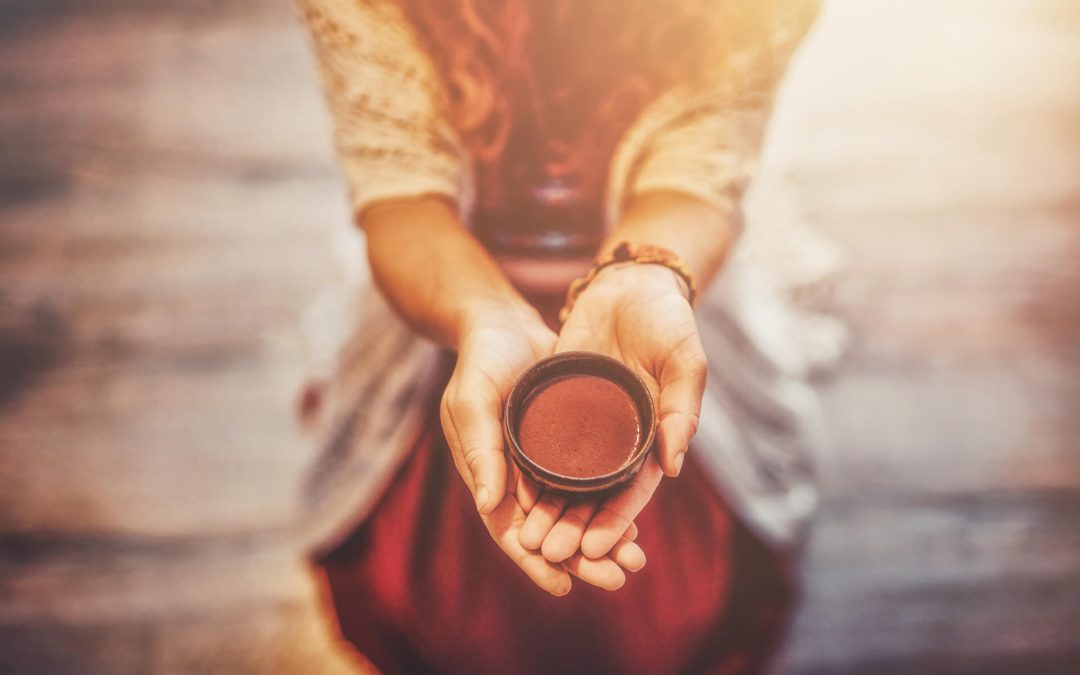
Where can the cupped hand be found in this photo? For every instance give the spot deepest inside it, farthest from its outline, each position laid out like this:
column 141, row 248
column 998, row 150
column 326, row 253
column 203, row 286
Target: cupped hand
column 495, row 348
column 640, row 315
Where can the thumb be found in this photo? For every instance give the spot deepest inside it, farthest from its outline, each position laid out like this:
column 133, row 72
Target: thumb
column 682, row 385
column 470, row 418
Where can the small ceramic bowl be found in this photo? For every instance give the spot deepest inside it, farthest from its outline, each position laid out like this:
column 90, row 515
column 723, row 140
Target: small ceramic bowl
column 579, row 363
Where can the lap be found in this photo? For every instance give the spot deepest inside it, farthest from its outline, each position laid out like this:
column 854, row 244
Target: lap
column 420, row 587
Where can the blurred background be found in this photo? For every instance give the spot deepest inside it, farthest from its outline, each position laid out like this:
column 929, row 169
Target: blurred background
column 168, row 198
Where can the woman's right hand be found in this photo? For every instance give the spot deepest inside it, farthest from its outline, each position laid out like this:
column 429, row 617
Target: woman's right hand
column 496, row 345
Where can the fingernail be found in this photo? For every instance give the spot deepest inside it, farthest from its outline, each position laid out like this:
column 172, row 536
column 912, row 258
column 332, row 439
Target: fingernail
column 481, row 498
column 561, row 589
column 678, row 462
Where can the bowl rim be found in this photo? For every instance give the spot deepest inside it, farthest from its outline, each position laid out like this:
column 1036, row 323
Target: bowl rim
column 570, row 363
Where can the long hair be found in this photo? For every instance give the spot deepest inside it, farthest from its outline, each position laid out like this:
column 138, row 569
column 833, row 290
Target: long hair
column 558, row 81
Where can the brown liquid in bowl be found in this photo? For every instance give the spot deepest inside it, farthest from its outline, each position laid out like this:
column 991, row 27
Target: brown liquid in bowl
column 580, row 426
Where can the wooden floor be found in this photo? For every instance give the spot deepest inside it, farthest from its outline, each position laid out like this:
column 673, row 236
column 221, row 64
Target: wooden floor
column 167, row 194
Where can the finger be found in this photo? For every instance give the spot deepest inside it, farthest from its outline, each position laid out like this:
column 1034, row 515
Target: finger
column 603, row 573
column 527, row 493
column 470, row 416
column 618, row 511
column 545, row 575
column 682, row 384
column 564, row 540
column 543, row 516
column 628, row 555
column 631, row 531
column 503, row 524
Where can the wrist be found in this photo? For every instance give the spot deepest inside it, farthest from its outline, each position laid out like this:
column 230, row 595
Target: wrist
column 640, row 258
column 700, row 233
column 512, row 314
column 642, row 278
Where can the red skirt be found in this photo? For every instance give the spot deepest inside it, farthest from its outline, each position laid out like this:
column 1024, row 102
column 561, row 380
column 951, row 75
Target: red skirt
column 420, row 587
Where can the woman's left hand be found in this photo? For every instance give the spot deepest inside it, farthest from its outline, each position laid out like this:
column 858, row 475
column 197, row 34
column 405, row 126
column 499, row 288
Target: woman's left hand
column 640, row 315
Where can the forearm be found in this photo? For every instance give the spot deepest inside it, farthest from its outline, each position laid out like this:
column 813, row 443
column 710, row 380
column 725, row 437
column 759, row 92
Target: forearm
column 433, row 271
column 699, row 233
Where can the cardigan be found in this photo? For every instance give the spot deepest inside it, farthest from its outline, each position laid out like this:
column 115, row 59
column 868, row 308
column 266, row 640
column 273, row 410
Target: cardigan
column 760, row 423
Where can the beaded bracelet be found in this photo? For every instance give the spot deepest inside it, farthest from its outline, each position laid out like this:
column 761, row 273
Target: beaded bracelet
column 639, row 254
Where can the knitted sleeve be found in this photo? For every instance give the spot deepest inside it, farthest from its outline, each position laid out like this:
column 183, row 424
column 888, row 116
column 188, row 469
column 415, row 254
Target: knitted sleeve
column 385, row 100
column 705, row 141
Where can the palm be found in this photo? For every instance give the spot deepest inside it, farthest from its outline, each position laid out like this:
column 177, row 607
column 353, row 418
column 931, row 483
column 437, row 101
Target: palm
column 644, row 334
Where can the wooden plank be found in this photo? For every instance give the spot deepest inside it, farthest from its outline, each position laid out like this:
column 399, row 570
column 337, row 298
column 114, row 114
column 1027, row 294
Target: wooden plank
column 938, row 142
